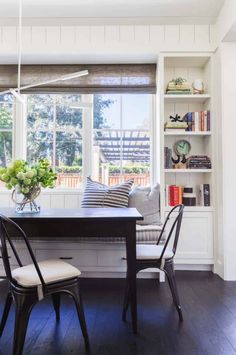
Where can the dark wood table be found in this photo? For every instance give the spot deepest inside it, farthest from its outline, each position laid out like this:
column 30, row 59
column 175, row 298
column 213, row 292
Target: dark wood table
column 86, row 222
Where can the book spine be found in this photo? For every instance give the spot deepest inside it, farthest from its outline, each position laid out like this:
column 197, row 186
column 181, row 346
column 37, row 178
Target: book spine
column 196, row 121
column 169, row 158
column 180, row 194
column 201, row 197
column 193, row 121
column 171, row 195
column 176, row 195
column 205, row 120
column 206, row 194
column 208, row 120
column 190, row 120
column 165, row 157
column 202, row 121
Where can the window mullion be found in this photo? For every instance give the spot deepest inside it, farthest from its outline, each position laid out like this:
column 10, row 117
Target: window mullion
column 54, row 134
column 87, row 141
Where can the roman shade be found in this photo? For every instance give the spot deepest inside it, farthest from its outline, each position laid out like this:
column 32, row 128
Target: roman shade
column 102, row 78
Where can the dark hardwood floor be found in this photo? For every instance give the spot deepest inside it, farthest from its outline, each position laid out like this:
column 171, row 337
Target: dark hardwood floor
column 209, row 327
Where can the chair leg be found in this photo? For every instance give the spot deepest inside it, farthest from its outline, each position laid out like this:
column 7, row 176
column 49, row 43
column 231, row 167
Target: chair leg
column 126, row 301
column 5, row 312
column 24, row 305
column 170, row 273
column 56, row 300
column 80, row 311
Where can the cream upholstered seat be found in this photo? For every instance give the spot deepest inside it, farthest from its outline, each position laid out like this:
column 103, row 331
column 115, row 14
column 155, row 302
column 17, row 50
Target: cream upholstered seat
column 147, row 252
column 52, row 271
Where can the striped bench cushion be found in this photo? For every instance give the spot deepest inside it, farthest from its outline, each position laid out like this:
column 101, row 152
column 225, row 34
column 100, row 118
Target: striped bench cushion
column 100, row 195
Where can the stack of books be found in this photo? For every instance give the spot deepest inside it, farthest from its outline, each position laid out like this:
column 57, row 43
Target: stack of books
column 173, row 195
column 174, row 88
column 198, row 121
column 168, row 158
column 176, row 126
column 199, row 162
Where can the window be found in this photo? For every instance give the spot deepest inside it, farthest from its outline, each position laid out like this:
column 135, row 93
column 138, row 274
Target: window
column 119, row 134
column 6, row 129
column 54, row 125
column 122, row 138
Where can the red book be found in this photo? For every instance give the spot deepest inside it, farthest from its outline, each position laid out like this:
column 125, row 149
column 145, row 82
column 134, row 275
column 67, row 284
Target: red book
column 173, row 195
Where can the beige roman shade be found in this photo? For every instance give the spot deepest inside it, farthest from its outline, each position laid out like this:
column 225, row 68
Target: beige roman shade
column 102, row 78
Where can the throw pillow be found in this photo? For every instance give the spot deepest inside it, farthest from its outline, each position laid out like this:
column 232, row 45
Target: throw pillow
column 146, row 200
column 100, row 195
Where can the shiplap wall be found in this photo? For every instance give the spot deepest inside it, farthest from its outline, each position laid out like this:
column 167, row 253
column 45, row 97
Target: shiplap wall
column 49, row 199
column 108, row 39
column 66, row 41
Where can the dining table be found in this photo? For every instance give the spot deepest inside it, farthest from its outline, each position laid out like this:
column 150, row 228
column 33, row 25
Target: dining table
column 58, row 223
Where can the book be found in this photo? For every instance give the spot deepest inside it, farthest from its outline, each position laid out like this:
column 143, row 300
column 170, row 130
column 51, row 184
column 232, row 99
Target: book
column 173, row 195
column 201, row 128
column 178, row 92
column 168, row 158
column 204, row 195
column 188, row 118
column 208, row 120
column 175, row 130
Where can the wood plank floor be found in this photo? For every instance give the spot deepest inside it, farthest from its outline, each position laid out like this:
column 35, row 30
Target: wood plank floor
column 209, row 327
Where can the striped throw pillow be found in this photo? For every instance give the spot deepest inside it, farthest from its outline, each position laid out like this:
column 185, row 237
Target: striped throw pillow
column 99, row 195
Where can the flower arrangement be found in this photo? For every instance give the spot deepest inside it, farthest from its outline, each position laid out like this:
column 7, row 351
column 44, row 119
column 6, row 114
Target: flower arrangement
column 27, row 180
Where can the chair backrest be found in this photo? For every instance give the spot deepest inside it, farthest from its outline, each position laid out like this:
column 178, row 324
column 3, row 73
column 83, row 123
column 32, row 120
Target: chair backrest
column 7, row 226
column 174, row 225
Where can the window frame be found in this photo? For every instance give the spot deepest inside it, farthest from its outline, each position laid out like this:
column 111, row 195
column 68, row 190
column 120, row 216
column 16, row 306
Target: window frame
column 19, row 135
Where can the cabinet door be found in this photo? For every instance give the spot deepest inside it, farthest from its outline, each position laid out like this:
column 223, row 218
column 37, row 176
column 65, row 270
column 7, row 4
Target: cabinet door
column 196, row 238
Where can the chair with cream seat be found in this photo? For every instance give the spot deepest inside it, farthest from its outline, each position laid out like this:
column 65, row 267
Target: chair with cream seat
column 31, row 283
column 160, row 256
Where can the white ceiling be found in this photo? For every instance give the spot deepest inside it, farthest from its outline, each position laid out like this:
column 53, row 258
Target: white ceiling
column 201, row 10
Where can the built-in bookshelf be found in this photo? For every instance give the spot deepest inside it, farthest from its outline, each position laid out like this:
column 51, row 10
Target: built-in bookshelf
column 196, row 240
column 190, row 67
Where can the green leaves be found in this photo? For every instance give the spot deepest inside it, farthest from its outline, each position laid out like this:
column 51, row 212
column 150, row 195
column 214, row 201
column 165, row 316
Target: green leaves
column 25, row 178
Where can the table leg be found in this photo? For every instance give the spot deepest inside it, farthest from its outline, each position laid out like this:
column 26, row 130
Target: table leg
column 131, row 270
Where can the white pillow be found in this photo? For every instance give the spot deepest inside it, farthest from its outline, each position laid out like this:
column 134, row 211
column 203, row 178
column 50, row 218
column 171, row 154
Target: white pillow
column 147, row 201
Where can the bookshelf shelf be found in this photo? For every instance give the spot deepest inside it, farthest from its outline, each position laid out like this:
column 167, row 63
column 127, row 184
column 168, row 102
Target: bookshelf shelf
column 186, row 133
column 187, row 98
column 193, row 208
column 179, row 171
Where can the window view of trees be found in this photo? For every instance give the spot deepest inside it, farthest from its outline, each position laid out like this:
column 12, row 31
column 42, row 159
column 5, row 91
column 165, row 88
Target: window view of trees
column 55, row 132
column 6, row 118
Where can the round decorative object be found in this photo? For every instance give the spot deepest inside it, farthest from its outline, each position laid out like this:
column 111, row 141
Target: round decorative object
column 26, row 203
column 182, row 147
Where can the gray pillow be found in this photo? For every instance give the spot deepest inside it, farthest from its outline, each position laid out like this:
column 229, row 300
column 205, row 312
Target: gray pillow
column 147, row 201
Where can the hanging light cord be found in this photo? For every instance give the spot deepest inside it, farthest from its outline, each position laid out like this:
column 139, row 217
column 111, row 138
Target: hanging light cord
column 19, row 45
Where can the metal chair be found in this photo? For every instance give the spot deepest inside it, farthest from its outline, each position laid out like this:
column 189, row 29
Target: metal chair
column 30, row 284
column 161, row 257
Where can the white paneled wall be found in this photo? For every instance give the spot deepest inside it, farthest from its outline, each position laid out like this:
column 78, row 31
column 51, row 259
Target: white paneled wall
column 109, row 38
column 49, row 199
